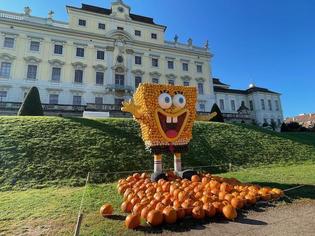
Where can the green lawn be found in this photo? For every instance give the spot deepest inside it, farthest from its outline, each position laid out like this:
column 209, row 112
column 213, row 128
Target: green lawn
column 54, row 210
column 40, row 152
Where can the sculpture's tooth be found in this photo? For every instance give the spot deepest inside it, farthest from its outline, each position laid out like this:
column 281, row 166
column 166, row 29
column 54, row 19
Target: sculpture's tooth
column 175, row 120
column 168, row 119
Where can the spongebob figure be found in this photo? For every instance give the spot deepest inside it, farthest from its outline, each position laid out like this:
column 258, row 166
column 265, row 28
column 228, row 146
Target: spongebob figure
column 166, row 114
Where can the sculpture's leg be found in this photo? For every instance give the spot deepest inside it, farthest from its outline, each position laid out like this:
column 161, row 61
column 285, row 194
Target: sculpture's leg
column 177, row 162
column 158, row 163
column 158, row 168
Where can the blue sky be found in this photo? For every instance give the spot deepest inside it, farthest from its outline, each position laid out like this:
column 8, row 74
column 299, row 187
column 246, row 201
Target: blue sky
column 268, row 42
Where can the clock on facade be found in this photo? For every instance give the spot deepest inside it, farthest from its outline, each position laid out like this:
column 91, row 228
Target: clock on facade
column 120, row 59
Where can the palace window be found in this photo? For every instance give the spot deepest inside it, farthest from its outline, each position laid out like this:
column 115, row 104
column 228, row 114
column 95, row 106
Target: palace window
column 185, row 66
column 171, row 82
column 58, row 49
column 251, row 105
column 221, row 104
column 186, row 83
column 155, row 80
column 98, row 100
column 153, row 36
column 78, row 76
column 8, row 42
column 200, row 88
column 3, row 96
column 34, row 46
column 100, row 55
column 155, row 62
column 277, row 105
column 138, row 33
column 101, row 26
column 100, row 78
column 138, row 60
column 31, row 72
column 77, row 100
column 120, row 79
column 53, row 99
column 199, row 68
column 170, row 65
column 138, row 80
column 5, row 69
column 269, row 105
column 262, row 102
column 55, row 74
column 120, row 28
column 82, row 22
column 233, row 107
column 202, row 107
column 80, row 52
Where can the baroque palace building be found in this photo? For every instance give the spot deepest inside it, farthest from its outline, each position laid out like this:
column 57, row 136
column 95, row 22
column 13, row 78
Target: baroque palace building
column 97, row 59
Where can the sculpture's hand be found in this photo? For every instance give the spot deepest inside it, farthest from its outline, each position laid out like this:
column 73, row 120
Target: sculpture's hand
column 206, row 117
column 131, row 107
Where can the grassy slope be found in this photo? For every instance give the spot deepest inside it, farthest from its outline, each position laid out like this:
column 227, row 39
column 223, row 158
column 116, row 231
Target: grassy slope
column 54, row 210
column 44, row 151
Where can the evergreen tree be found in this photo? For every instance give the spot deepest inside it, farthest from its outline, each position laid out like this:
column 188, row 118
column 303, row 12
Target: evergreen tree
column 219, row 117
column 284, row 127
column 31, row 105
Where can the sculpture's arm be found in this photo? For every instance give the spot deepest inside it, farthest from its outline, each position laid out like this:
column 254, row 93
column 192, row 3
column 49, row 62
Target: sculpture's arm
column 130, row 106
column 206, row 117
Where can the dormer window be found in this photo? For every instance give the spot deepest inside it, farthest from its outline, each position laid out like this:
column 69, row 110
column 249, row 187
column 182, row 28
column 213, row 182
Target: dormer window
column 82, row 22
column 101, row 26
column 121, row 9
column 138, row 33
column 153, row 36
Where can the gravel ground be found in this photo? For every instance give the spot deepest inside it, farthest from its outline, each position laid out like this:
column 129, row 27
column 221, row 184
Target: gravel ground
column 297, row 218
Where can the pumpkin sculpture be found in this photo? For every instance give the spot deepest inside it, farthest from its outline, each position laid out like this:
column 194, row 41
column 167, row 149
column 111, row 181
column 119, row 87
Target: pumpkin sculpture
column 166, row 114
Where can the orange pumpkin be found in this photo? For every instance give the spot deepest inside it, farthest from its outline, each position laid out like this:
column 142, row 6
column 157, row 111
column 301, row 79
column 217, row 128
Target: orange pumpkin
column 195, row 178
column 137, row 208
column 155, row 218
column 209, row 209
column 145, row 211
column 198, row 213
column 237, row 203
column 106, row 210
column 180, row 213
column 170, row 215
column 126, row 207
column 132, row 221
column 229, row 212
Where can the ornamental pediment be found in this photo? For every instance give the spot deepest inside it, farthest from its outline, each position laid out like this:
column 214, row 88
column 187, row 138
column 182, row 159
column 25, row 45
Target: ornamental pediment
column 186, row 78
column 32, row 59
column 79, row 65
column 200, row 80
column 138, row 72
column 56, row 62
column 155, row 74
column 119, row 34
column 100, row 67
column 7, row 57
column 171, row 76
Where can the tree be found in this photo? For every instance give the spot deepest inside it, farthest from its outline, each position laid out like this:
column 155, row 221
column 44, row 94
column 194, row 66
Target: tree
column 219, row 117
column 273, row 125
column 284, row 127
column 31, row 105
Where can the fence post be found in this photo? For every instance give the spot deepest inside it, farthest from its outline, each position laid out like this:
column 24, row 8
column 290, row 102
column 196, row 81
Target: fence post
column 80, row 216
column 230, row 167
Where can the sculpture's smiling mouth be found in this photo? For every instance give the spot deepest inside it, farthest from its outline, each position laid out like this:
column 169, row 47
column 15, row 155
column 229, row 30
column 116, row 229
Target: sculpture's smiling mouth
column 171, row 125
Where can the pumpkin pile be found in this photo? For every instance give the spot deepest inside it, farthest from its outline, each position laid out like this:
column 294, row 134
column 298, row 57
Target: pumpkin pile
column 168, row 201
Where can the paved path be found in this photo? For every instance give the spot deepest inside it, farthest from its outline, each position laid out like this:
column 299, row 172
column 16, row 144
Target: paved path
column 297, row 219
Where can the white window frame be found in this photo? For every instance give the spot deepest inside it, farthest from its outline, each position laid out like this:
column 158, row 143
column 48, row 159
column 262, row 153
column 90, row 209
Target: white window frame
column 30, row 46
column 9, row 76
column 9, row 37
column 53, row 103
column 52, row 75
column 4, row 98
column 58, row 44
column 37, row 71
column 96, row 73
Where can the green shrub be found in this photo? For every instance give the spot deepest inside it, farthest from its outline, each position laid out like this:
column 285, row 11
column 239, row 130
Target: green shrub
column 31, row 105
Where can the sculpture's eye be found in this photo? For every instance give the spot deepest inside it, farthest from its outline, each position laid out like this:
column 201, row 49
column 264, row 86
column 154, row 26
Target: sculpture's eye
column 165, row 100
column 179, row 100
